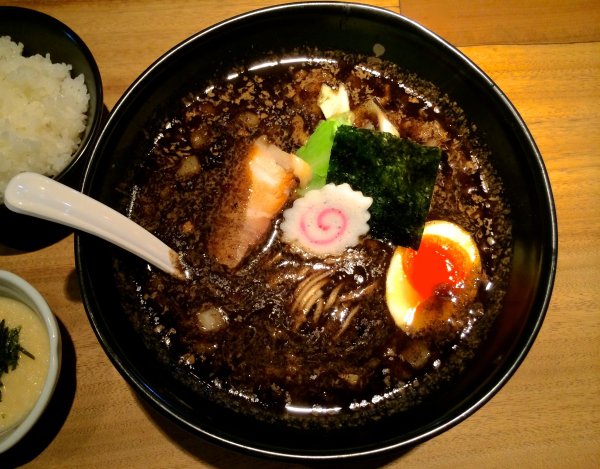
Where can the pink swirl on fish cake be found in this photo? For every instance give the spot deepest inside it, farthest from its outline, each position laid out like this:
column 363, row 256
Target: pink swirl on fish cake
column 326, row 219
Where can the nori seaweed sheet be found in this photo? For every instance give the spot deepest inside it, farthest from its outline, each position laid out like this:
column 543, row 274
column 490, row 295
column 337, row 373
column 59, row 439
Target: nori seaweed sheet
column 397, row 173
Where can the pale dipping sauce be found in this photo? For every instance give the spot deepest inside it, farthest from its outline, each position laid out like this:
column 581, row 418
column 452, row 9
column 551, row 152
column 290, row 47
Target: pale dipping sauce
column 23, row 385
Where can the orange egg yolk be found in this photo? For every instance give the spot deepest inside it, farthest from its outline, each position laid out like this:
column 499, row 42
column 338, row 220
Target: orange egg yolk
column 436, row 264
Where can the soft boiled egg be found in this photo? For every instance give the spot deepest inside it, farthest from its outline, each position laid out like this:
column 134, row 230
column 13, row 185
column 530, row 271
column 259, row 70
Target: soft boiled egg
column 431, row 284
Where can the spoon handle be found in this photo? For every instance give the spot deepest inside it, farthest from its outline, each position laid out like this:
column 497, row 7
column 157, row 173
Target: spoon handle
column 42, row 197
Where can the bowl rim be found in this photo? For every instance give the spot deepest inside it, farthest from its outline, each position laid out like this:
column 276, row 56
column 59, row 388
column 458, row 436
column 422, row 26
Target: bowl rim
column 13, row 286
column 543, row 294
column 96, row 117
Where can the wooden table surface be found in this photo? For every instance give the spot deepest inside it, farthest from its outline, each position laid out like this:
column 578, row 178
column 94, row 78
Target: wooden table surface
column 545, row 55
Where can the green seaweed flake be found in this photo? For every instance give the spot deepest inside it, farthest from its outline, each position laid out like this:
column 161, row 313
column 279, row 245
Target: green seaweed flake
column 9, row 350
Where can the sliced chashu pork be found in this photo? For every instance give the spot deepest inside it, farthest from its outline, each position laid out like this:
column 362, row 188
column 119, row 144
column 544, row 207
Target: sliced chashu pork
column 266, row 180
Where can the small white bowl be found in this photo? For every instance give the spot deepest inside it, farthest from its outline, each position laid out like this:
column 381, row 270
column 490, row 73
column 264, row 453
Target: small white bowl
column 13, row 286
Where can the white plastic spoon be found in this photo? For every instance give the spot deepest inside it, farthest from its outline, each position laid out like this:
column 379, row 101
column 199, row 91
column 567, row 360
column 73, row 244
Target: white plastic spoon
column 42, row 197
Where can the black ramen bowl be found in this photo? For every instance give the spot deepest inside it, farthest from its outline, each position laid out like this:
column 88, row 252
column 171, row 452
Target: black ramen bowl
column 42, row 34
column 358, row 29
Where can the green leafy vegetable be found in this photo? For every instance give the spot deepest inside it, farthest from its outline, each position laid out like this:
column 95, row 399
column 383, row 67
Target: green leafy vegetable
column 9, row 349
column 398, row 174
column 317, row 149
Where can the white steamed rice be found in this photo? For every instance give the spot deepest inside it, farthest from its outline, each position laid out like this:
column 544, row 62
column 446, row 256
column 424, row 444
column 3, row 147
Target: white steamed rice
column 42, row 113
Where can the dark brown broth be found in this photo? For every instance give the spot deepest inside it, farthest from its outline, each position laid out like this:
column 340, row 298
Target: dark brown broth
column 265, row 359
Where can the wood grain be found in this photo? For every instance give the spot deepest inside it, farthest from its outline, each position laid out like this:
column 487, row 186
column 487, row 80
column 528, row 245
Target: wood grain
column 545, row 55
column 465, row 22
